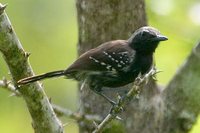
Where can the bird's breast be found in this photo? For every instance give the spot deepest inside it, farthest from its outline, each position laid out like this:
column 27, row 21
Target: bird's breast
column 142, row 63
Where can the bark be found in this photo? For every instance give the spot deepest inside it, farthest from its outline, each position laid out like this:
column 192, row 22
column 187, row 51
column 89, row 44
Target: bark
column 43, row 116
column 181, row 96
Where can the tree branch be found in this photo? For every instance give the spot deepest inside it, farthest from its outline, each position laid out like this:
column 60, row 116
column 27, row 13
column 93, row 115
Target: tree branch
column 76, row 116
column 8, row 86
column 123, row 101
column 181, row 96
column 43, row 116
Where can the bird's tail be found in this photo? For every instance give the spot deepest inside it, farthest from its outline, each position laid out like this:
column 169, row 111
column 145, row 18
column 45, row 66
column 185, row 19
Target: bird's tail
column 41, row 77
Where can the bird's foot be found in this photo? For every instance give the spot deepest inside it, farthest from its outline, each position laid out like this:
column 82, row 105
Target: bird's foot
column 145, row 78
column 156, row 71
column 138, row 80
column 113, row 103
column 99, row 92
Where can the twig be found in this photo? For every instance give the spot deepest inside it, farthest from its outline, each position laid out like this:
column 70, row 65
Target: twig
column 123, row 101
column 76, row 116
column 4, row 83
column 2, row 8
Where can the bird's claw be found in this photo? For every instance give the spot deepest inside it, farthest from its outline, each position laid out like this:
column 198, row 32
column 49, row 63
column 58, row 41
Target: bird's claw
column 156, row 71
column 107, row 98
column 112, row 102
column 138, row 80
column 119, row 118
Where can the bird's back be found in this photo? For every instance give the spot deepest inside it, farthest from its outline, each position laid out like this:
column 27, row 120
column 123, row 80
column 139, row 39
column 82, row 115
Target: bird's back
column 112, row 64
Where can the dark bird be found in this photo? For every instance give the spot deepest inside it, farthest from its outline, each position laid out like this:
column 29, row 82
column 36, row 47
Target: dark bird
column 112, row 64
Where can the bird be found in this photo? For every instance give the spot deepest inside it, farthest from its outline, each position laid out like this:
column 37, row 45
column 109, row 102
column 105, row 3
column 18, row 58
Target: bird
column 112, row 64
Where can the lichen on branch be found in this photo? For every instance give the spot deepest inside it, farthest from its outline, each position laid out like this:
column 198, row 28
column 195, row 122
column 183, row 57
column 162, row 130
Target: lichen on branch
column 44, row 119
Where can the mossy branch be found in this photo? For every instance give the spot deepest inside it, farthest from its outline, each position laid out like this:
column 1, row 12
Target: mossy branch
column 181, row 96
column 44, row 119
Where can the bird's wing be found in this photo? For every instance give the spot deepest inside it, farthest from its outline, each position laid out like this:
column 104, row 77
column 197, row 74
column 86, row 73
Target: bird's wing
column 110, row 56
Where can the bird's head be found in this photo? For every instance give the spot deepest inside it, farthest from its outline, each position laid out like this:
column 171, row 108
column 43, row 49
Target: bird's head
column 146, row 39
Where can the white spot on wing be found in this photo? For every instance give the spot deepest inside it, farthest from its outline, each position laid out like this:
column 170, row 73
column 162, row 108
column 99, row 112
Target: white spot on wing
column 116, row 61
column 95, row 60
column 122, row 62
column 108, row 67
column 105, row 52
column 112, row 59
column 113, row 70
column 102, row 63
column 119, row 65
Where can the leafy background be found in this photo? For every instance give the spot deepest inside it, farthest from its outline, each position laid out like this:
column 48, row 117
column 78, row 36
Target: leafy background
column 48, row 29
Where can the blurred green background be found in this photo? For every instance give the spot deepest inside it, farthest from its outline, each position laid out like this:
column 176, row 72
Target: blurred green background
column 48, row 29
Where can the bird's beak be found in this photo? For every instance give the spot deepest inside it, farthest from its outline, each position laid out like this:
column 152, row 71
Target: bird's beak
column 161, row 38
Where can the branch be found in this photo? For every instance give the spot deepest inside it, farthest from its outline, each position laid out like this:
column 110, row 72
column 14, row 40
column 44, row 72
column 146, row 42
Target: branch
column 43, row 116
column 181, row 96
column 123, row 101
column 76, row 116
column 10, row 87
